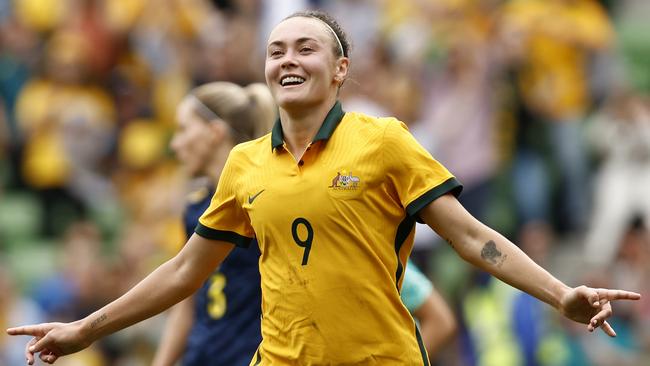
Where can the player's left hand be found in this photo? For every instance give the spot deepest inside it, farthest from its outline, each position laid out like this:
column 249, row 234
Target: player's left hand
column 592, row 306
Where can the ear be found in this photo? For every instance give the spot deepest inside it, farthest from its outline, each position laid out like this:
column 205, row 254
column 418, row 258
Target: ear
column 342, row 67
column 218, row 129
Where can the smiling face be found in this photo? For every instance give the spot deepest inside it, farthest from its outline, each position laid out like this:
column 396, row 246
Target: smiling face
column 301, row 68
column 193, row 140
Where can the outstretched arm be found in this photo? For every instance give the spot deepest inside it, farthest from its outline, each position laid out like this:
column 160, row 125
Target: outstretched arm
column 168, row 284
column 492, row 252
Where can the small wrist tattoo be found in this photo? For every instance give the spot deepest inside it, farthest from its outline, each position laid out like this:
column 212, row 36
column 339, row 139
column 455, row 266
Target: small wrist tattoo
column 97, row 321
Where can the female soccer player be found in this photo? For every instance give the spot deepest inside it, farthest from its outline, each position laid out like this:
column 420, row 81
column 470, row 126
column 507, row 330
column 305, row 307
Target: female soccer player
column 220, row 325
column 332, row 198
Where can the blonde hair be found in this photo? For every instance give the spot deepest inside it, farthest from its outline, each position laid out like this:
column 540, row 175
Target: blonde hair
column 249, row 111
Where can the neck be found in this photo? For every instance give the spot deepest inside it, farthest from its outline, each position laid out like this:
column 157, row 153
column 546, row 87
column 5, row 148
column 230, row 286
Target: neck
column 218, row 161
column 300, row 127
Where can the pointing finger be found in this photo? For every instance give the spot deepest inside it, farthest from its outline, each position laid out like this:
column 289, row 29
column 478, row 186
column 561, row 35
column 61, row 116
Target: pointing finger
column 618, row 294
column 32, row 330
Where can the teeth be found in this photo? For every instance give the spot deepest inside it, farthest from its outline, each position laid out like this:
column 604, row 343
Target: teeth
column 292, row 80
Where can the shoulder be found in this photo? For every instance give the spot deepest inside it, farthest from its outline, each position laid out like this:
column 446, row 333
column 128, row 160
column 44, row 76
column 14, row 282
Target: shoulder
column 371, row 121
column 371, row 127
column 252, row 149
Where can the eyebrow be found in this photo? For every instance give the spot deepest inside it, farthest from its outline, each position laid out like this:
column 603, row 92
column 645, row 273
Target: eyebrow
column 299, row 40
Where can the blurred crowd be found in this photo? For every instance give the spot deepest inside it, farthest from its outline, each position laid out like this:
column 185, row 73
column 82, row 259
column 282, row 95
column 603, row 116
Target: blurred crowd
column 541, row 108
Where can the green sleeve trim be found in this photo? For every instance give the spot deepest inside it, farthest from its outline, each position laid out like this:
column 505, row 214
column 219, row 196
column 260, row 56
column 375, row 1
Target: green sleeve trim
column 229, row 236
column 403, row 231
column 423, row 349
column 451, row 185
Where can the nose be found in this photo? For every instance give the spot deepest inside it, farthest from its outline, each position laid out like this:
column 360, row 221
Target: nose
column 289, row 60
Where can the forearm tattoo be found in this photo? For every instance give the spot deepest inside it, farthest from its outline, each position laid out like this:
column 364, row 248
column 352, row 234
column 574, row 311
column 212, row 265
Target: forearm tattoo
column 491, row 254
column 97, row 321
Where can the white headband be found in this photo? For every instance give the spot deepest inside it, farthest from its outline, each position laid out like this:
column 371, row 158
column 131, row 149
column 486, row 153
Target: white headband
column 208, row 114
column 338, row 41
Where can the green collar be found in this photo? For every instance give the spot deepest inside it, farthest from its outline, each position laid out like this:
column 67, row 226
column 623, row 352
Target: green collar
column 333, row 118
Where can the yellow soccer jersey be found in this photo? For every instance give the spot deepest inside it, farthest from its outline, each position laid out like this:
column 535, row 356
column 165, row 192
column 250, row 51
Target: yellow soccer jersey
column 335, row 230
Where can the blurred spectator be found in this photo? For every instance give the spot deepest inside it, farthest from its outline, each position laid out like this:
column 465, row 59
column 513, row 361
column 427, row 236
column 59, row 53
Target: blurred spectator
column 18, row 56
column 41, row 15
column 634, row 48
column 224, row 53
column 557, row 37
column 463, row 137
column 620, row 136
column 362, row 21
column 130, row 83
column 272, row 12
column 632, row 267
column 68, row 123
column 149, row 184
column 486, row 312
column 13, row 308
column 76, row 289
column 163, row 36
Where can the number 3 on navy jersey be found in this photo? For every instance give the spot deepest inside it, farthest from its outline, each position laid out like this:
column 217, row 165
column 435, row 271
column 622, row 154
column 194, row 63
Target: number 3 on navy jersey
column 303, row 243
column 216, row 306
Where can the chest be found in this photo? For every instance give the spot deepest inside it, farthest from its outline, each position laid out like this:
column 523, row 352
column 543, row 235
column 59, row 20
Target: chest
column 329, row 182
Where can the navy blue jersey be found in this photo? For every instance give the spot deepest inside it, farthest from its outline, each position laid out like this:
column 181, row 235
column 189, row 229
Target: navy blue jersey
column 226, row 329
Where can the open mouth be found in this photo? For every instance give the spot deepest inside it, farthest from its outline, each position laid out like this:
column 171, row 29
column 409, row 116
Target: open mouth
column 291, row 80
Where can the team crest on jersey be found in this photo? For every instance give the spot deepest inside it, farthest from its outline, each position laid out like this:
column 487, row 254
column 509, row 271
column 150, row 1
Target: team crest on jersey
column 345, row 181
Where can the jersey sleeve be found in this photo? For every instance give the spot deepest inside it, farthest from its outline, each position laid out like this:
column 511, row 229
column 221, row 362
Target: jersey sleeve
column 417, row 177
column 225, row 219
column 415, row 288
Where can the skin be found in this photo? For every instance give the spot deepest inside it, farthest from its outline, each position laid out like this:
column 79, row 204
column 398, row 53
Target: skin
column 302, row 109
column 303, row 47
column 201, row 146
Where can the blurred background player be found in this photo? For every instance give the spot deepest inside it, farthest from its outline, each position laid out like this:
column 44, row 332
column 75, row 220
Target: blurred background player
column 220, row 325
column 436, row 320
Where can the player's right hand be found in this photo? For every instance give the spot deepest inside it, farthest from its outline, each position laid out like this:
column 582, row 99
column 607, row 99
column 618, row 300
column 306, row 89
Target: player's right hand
column 51, row 340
